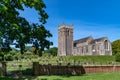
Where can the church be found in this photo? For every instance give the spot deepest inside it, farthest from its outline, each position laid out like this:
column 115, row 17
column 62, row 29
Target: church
column 84, row 46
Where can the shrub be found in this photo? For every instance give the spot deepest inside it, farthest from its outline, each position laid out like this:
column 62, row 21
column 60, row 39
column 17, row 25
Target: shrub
column 117, row 57
column 0, row 58
column 52, row 51
column 116, row 47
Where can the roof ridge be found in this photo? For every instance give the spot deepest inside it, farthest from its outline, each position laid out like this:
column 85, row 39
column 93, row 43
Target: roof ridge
column 83, row 39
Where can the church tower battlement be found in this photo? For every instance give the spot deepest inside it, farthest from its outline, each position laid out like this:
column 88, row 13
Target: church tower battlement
column 65, row 40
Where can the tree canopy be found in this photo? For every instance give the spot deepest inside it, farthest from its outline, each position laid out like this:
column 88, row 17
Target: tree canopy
column 116, row 47
column 13, row 27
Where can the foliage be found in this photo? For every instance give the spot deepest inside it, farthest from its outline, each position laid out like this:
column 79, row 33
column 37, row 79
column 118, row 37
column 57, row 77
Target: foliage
column 5, row 78
column 117, row 57
column 1, row 58
column 15, row 55
column 9, row 56
column 116, row 47
column 40, row 41
column 52, row 51
column 1, row 55
column 28, row 48
column 13, row 27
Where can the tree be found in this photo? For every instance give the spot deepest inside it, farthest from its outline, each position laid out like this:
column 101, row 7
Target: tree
column 117, row 57
column 40, row 41
column 13, row 27
column 116, row 47
column 52, row 51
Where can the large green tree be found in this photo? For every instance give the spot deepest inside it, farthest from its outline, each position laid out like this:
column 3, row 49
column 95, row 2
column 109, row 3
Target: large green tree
column 13, row 27
column 116, row 47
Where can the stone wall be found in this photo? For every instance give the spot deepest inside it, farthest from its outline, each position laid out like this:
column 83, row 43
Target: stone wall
column 97, row 69
column 71, row 70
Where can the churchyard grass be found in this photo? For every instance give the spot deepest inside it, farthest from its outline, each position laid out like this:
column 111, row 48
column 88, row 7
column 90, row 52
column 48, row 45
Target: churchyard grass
column 79, row 60
column 16, row 65
column 73, row 60
column 25, row 65
column 97, row 76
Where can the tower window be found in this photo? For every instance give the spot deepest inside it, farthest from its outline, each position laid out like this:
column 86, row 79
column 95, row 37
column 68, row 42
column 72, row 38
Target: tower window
column 68, row 32
column 106, row 44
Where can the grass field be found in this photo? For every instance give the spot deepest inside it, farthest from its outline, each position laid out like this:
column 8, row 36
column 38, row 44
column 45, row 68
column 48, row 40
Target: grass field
column 98, row 76
column 94, row 60
column 77, row 60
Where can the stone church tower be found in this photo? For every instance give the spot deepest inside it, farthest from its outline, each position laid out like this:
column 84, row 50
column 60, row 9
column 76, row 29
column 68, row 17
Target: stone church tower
column 65, row 40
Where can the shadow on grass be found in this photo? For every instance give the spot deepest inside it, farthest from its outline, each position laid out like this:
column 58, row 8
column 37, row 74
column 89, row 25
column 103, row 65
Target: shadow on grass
column 5, row 78
column 17, row 78
column 27, row 74
column 20, row 75
column 71, row 75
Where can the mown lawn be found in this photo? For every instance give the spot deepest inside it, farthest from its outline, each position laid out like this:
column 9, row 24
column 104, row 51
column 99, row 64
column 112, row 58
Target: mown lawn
column 98, row 76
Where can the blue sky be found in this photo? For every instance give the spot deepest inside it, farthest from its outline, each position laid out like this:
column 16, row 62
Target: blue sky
column 97, row 18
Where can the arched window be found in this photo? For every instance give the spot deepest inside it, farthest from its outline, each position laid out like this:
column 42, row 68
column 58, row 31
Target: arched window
column 75, row 44
column 93, row 48
column 106, row 44
column 82, row 49
column 86, row 49
column 68, row 32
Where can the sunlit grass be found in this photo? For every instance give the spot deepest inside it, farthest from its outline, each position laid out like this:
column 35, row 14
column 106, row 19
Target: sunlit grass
column 98, row 76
